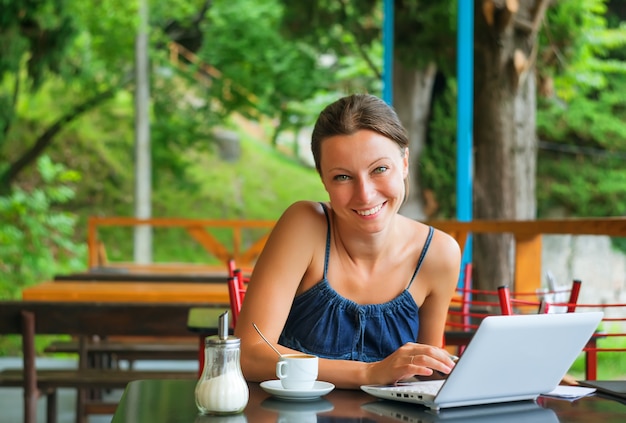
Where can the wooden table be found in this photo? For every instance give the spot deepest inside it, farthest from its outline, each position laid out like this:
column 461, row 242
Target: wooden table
column 142, row 277
column 214, row 294
column 172, row 401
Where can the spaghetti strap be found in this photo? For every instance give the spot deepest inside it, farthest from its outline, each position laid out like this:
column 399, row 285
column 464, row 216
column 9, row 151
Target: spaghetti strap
column 431, row 231
column 321, row 322
column 327, row 254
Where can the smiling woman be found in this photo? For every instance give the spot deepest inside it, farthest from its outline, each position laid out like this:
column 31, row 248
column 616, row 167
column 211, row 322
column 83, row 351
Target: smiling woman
column 352, row 281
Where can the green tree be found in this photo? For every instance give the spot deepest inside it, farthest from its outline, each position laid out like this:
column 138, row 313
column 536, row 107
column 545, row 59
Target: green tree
column 35, row 238
column 46, row 49
column 581, row 115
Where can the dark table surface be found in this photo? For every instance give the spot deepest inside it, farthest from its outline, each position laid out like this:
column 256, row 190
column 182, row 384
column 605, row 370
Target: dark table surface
column 172, row 401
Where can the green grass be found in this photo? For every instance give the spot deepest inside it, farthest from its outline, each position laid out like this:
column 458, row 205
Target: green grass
column 261, row 184
column 11, row 345
column 610, row 365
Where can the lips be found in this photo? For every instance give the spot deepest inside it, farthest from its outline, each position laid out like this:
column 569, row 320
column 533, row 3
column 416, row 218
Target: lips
column 371, row 211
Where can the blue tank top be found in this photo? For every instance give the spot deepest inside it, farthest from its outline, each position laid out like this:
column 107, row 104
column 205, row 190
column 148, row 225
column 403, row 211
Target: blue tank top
column 323, row 323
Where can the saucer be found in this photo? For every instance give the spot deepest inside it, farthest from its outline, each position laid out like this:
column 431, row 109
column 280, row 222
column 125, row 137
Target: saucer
column 275, row 388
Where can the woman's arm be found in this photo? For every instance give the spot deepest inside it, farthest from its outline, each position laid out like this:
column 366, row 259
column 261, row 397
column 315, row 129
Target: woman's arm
column 441, row 274
column 275, row 280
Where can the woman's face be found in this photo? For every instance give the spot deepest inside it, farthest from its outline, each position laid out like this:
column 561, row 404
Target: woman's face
column 364, row 176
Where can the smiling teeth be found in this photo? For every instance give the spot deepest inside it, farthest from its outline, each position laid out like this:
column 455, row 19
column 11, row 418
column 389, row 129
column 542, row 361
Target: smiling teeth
column 370, row 211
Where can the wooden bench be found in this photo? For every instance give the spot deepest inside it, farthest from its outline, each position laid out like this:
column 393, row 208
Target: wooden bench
column 108, row 352
column 30, row 318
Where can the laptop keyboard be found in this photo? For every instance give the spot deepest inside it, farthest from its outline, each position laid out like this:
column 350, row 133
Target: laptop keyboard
column 429, row 387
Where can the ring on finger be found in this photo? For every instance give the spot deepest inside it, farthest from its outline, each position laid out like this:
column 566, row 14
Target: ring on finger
column 412, row 357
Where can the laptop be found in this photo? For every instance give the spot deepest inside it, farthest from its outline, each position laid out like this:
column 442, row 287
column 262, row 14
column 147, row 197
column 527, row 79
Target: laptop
column 510, row 358
column 615, row 388
column 509, row 412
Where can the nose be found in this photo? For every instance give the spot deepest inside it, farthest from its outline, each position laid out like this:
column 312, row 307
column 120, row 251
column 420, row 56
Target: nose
column 364, row 190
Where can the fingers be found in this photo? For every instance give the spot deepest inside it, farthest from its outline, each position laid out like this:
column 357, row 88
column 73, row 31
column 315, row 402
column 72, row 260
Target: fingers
column 429, row 358
column 408, row 361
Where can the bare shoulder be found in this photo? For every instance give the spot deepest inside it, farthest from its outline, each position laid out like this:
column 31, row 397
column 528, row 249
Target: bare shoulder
column 302, row 214
column 301, row 220
column 443, row 259
column 296, row 242
column 446, row 244
column 442, row 244
column 446, row 253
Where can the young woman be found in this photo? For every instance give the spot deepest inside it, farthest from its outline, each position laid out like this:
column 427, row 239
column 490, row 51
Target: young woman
column 351, row 280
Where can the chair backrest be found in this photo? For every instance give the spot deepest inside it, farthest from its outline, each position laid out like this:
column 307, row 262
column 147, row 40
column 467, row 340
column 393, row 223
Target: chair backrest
column 615, row 314
column 468, row 307
column 237, row 282
column 537, row 301
column 508, row 304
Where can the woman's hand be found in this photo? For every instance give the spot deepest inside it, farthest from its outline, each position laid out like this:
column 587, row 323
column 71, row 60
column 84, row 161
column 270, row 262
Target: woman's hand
column 408, row 361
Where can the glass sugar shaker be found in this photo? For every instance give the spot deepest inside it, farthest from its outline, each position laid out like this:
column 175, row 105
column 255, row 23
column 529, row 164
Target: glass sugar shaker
column 221, row 388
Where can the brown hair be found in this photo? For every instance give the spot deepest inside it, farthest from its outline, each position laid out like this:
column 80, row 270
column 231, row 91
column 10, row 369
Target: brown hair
column 354, row 113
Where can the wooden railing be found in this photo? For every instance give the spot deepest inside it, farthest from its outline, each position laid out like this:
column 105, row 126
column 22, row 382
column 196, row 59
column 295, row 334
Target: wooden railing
column 205, row 73
column 527, row 237
column 198, row 229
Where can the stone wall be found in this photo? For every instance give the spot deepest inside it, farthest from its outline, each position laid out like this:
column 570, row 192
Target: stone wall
column 591, row 259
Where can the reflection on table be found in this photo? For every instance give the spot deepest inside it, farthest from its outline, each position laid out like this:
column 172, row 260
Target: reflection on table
column 172, row 401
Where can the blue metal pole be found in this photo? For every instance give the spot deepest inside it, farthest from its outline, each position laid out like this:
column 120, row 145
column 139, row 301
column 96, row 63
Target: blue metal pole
column 388, row 24
column 465, row 79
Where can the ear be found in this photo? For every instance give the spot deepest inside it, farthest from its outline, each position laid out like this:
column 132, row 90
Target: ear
column 405, row 163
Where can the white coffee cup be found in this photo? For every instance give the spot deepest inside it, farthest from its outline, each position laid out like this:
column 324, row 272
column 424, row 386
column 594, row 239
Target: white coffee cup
column 297, row 371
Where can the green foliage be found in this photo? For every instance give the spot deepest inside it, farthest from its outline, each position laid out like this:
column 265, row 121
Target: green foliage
column 591, row 120
column 577, row 44
column 437, row 170
column 299, row 55
column 582, row 136
column 36, row 239
column 261, row 70
column 34, row 37
column 425, row 32
column 103, row 52
column 346, row 34
column 42, row 30
column 259, row 184
column 589, row 191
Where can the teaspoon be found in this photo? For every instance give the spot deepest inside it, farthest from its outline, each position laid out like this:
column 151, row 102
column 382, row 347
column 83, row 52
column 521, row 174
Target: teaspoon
column 266, row 340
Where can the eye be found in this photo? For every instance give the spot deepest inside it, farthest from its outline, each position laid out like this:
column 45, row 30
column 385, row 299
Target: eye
column 341, row 178
column 381, row 169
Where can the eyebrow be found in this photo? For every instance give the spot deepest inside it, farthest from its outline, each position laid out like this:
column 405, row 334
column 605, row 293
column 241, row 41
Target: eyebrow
column 340, row 169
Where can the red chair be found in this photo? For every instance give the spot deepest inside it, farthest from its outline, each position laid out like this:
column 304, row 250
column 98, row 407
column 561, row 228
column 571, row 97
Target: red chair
column 508, row 304
column 520, row 300
column 467, row 309
column 237, row 282
column 470, row 306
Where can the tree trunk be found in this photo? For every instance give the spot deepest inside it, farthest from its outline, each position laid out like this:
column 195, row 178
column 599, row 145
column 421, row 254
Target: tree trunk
column 412, row 92
column 504, row 130
column 45, row 139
